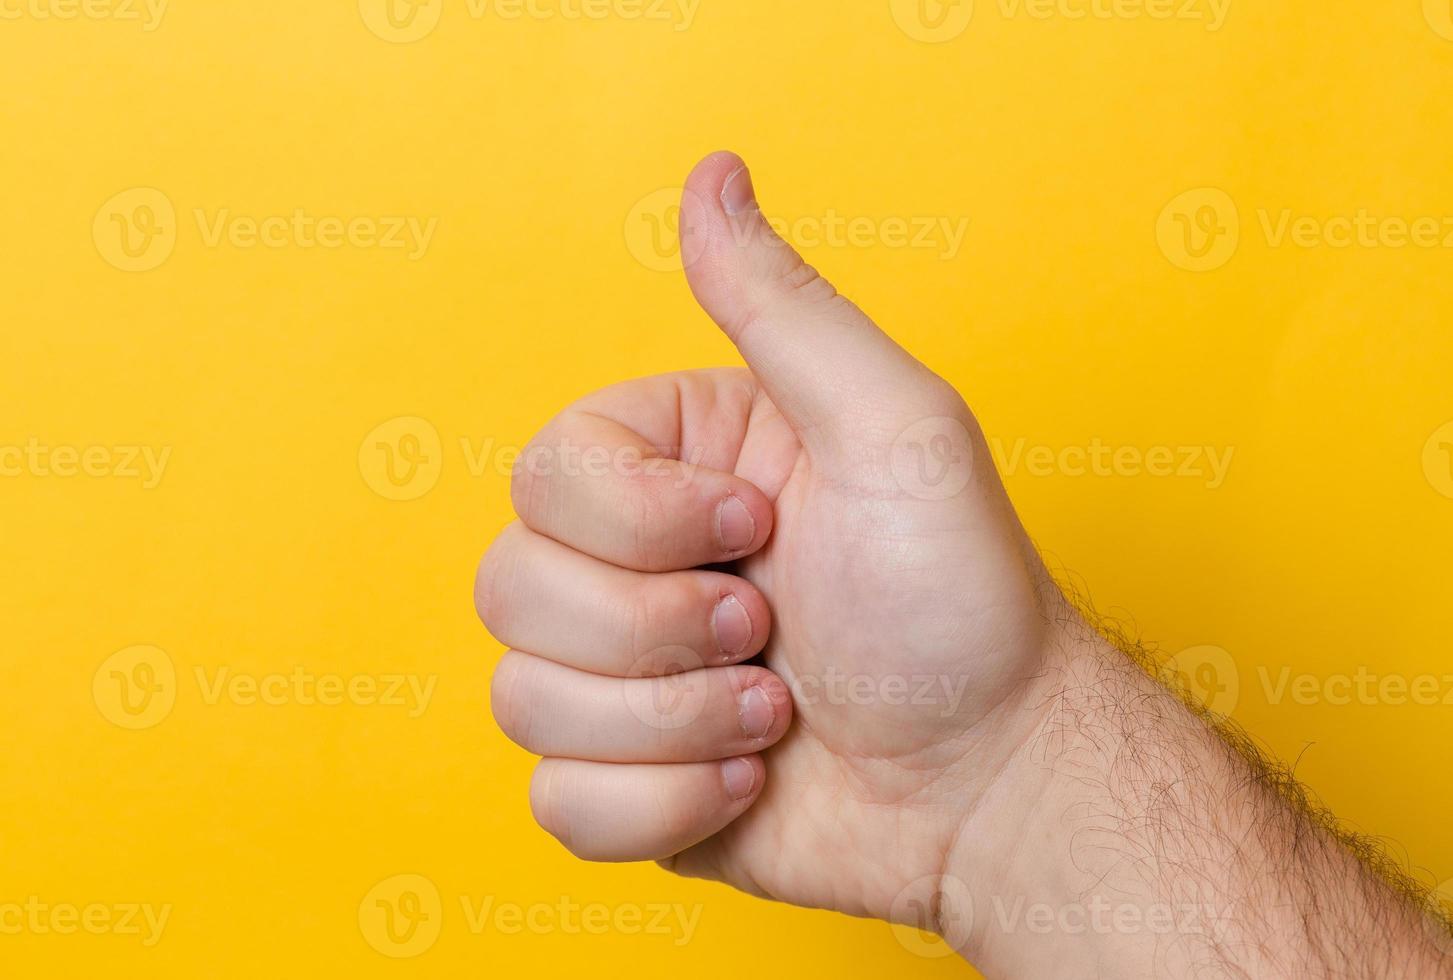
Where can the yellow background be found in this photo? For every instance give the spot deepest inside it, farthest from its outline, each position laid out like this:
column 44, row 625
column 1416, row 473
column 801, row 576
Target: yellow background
column 532, row 142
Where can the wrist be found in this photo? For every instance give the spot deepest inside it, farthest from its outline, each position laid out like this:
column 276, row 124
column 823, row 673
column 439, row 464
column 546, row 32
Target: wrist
column 1129, row 836
column 1054, row 864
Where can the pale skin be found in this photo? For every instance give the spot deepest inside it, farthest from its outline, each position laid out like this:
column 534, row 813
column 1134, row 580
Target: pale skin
column 780, row 627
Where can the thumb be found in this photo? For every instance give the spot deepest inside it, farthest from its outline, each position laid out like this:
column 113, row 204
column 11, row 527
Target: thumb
column 822, row 361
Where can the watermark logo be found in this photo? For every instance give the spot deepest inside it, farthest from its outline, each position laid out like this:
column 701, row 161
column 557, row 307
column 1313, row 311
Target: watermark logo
column 1199, row 230
column 679, row 692
column 401, row 21
column 933, row 459
column 1439, row 14
column 653, row 232
column 1438, row 460
column 1210, row 676
column 147, row 13
column 930, row 904
column 136, row 230
column 932, row 21
column 402, row 458
column 401, row 916
column 1443, row 899
column 136, row 688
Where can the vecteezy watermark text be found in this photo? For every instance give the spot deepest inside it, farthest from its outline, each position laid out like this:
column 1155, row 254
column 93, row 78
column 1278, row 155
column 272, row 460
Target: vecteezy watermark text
column 137, row 688
column 1363, row 686
column 403, row 458
column 146, row 464
column 944, row 692
column 1209, row 464
column 147, row 13
column 653, row 232
column 402, row 917
column 35, row 917
column 302, row 686
column 940, row 21
column 1201, row 229
column 138, row 229
column 406, row 21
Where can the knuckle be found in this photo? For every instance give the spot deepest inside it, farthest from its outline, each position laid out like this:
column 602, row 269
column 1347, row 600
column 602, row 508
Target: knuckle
column 522, row 486
column 508, row 699
column 641, row 616
column 491, row 596
column 530, row 483
column 549, row 805
column 691, row 597
column 674, row 600
column 644, row 512
column 679, row 819
column 941, row 398
column 663, row 615
column 803, row 280
column 794, row 282
column 486, row 596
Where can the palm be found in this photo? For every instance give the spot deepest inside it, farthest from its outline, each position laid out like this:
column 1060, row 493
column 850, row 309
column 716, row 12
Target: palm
column 899, row 622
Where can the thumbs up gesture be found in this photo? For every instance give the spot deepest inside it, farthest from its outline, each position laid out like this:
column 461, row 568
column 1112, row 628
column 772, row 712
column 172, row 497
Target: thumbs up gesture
column 776, row 626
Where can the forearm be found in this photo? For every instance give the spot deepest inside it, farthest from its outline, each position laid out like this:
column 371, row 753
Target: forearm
column 1133, row 838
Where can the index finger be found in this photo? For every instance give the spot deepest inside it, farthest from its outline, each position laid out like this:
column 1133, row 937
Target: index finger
column 596, row 482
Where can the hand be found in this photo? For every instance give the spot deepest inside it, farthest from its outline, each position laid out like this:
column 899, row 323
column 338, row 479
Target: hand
column 962, row 742
column 833, row 508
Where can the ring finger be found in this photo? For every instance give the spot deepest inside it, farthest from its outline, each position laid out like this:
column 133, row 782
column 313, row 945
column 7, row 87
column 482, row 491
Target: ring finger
column 696, row 716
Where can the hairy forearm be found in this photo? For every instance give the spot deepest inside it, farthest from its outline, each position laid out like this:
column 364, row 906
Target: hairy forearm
column 1137, row 838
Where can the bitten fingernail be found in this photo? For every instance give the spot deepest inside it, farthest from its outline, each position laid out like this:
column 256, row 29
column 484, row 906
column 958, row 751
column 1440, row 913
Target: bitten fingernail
column 732, row 625
column 740, row 776
column 735, row 526
column 756, row 712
